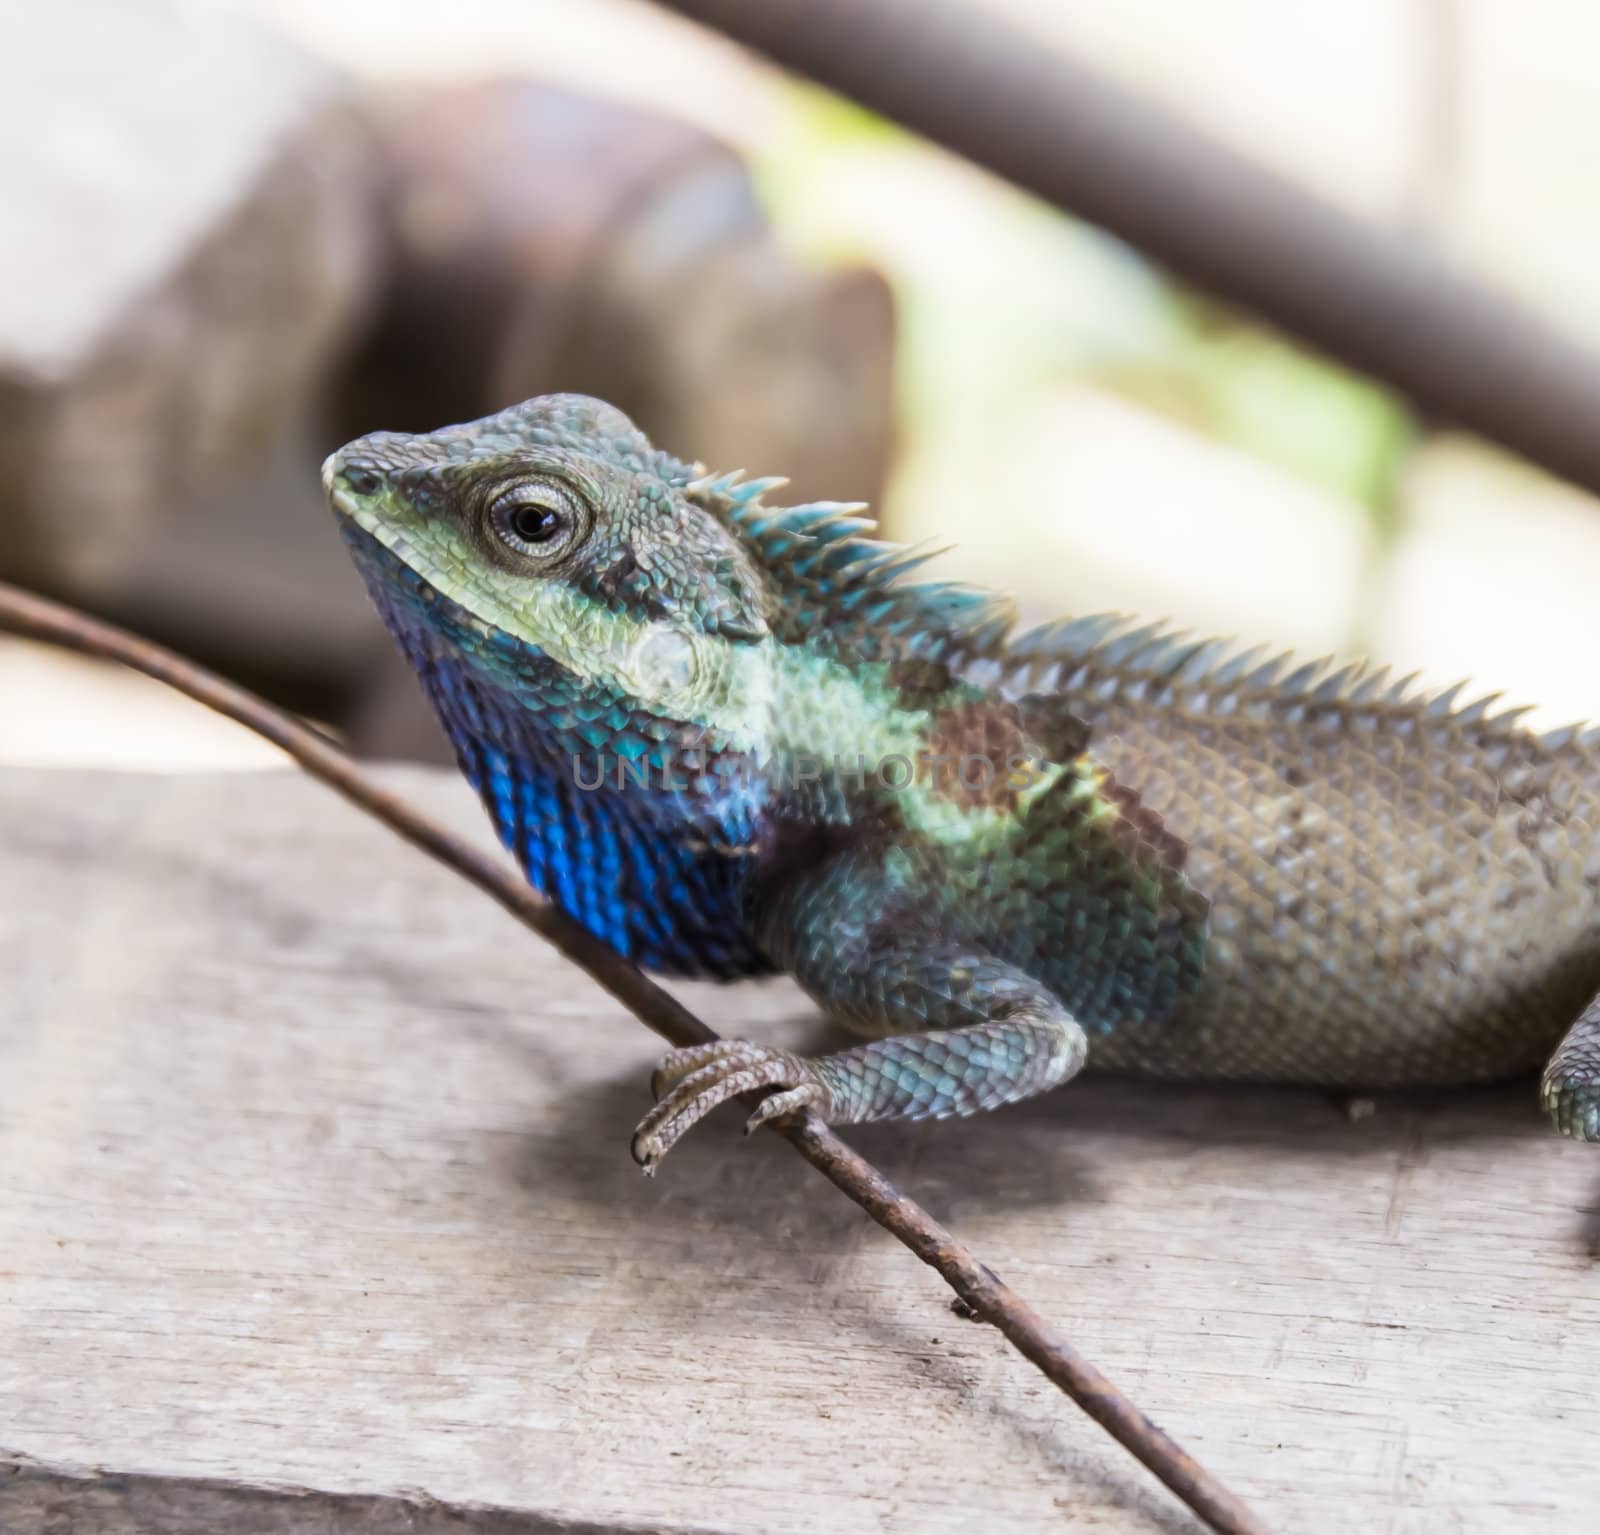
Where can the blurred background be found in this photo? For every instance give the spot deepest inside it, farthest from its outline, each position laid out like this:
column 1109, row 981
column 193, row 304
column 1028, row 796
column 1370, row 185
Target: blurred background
column 236, row 233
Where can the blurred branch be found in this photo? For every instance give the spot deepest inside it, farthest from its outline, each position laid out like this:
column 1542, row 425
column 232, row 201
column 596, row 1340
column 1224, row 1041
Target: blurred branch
column 1373, row 298
column 985, row 1294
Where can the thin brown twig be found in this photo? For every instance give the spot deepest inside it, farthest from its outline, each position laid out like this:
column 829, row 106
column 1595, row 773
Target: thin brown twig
column 984, row 1292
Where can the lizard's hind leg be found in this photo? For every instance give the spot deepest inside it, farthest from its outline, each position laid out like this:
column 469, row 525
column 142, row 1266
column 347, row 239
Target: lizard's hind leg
column 1571, row 1085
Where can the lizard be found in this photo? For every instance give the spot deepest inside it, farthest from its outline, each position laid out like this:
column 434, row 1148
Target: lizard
column 733, row 738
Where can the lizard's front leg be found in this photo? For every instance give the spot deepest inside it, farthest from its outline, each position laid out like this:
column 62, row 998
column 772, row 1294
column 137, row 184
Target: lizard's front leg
column 1571, row 1085
column 997, row 1036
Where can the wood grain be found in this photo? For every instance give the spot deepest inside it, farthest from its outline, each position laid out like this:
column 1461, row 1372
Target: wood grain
column 317, row 1214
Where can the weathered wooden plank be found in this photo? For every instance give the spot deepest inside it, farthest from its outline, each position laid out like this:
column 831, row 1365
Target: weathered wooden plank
column 318, row 1214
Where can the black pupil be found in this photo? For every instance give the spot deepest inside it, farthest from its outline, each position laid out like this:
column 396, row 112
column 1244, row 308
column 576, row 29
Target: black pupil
column 534, row 524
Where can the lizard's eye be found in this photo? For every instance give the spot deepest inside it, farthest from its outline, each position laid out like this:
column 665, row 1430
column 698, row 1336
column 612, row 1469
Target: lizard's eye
column 538, row 522
column 530, row 523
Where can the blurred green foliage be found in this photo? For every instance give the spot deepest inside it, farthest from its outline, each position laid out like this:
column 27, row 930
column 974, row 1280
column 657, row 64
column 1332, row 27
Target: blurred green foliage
column 1242, row 384
column 1036, row 298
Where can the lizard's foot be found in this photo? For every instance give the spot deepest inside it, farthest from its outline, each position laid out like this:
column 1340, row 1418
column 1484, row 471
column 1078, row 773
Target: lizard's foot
column 906, row 1076
column 1571, row 1085
column 691, row 1082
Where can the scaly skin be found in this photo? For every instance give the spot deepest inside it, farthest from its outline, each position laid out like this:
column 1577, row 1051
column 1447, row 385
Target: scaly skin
column 732, row 738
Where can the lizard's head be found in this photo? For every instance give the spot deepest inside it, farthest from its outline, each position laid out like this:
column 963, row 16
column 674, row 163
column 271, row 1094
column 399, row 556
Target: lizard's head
column 577, row 602
column 559, row 556
column 624, row 601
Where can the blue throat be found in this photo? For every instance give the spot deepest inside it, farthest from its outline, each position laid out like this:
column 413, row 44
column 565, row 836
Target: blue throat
column 659, row 873
column 657, row 893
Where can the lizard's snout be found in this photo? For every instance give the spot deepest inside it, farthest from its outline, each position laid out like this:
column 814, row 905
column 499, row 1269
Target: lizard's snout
column 352, row 473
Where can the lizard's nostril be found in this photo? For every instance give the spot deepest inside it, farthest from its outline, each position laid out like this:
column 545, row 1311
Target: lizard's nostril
column 361, row 480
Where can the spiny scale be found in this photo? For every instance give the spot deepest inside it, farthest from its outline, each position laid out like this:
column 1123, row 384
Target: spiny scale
column 869, row 584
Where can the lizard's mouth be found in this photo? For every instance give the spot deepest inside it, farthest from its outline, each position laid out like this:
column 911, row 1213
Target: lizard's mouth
column 341, row 496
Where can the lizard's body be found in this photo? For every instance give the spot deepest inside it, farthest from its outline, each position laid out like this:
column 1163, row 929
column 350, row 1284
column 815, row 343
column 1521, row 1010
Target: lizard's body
column 731, row 738
column 1398, row 894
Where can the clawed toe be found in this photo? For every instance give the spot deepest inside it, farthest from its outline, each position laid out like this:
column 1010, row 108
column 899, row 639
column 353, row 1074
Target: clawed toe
column 690, row 1083
column 677, row 1064
column 809, row 1095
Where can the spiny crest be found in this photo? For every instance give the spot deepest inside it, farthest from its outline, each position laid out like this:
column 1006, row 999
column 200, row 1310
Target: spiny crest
column 1111, row 653
column 839, row 581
